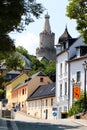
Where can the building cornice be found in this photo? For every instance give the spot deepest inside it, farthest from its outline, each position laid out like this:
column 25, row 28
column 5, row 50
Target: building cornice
column 77, row 58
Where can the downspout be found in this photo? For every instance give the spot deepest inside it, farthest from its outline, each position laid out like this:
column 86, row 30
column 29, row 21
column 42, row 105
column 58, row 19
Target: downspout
column 68, row 82
column 41, row 110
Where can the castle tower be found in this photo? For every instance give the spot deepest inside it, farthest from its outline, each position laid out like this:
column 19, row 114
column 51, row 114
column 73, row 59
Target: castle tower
column 46, row 47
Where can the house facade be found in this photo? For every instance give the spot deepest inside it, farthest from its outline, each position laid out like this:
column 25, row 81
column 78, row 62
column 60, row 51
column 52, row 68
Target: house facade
column 66, row 70
column 77, row 72
column 62, row 72
column 16, row 81
column 21, row 92
column 19, row 96
column 41, row 103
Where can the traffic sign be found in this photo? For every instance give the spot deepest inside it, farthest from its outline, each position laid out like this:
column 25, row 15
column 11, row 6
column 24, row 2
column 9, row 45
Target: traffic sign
column 54, row 114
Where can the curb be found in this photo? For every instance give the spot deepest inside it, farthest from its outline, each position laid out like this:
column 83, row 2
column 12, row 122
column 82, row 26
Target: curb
column 79, row 122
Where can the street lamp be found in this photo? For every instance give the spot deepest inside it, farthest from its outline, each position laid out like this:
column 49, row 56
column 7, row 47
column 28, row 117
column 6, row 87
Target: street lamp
column 85, row 68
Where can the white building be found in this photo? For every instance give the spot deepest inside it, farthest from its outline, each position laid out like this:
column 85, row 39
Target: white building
column 77, row 76
column 65, row 71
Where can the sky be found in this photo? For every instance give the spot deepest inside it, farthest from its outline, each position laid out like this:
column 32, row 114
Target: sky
column 29, row 38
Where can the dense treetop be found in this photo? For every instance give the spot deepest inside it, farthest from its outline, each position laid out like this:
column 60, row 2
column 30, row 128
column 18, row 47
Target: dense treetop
column 15, row 15
column 77, row 9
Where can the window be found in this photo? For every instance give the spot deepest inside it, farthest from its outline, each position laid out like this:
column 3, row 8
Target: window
column 65, row 88
column 41, row 79
column 78, row 76
column 25, row 90
column 65, row 66
column 46, row 102
column 28, row 106
column 19, row 92
column 51, row 101
column 64, row 45
column 35, row 103
column 22, row 91
column 42, row 102
column 60, row 90
column 10, row 76
column 65, row 108
column 61, row 68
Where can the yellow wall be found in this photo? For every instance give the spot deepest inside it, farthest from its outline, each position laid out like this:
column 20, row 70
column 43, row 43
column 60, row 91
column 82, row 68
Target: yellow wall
column 13, row 84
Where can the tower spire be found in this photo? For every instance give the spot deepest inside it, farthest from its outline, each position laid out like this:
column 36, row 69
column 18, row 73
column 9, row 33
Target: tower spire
column 47, row 27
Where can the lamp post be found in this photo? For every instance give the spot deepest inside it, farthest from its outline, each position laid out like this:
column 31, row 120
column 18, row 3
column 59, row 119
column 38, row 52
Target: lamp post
column 85, row 68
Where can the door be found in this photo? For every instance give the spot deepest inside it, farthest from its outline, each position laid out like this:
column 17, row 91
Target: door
column 46, row 114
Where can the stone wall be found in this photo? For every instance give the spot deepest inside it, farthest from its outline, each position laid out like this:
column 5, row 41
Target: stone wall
column 50, row 54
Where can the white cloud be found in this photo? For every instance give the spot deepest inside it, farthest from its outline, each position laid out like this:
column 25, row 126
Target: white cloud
column 27, row 40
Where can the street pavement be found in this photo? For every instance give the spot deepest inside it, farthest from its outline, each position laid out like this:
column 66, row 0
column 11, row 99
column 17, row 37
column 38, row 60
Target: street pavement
column 24, row 122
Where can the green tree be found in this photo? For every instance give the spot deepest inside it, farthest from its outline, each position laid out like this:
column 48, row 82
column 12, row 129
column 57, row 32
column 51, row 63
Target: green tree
column 48, row 67
column 15, row 15
column 36, row 65
column 77, row 9
column 2, row 94
column 6, row 46
column 3, row 81
column 14, row 61
column 23, row 51
column 51, row 70
column 77, row 106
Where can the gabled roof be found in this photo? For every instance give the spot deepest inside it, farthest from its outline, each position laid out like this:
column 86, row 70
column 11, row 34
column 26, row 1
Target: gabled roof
column 43, row 92
column 38, row 74
column 17, row 77
column 19, row 85
column 28, row 79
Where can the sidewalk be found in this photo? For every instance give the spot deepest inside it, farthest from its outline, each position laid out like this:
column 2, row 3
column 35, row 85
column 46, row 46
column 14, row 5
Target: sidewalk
column 80, row 121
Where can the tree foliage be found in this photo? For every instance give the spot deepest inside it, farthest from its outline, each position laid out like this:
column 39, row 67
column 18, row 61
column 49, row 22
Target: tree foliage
column 3, row 81
column 14, row 61
column 77, row 106
column 77, row 9
column 50, row 70
column 6, row 46
column 23, row 51
column 15, row 15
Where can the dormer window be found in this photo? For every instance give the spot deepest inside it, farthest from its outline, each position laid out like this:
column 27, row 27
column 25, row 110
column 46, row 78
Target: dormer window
column 67, row 44
column 64, row 45
column 41, row 79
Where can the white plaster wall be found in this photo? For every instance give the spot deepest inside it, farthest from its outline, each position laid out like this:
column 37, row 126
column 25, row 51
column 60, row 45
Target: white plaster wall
column 74, row 67
column 72, row 49
column 61, row 79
